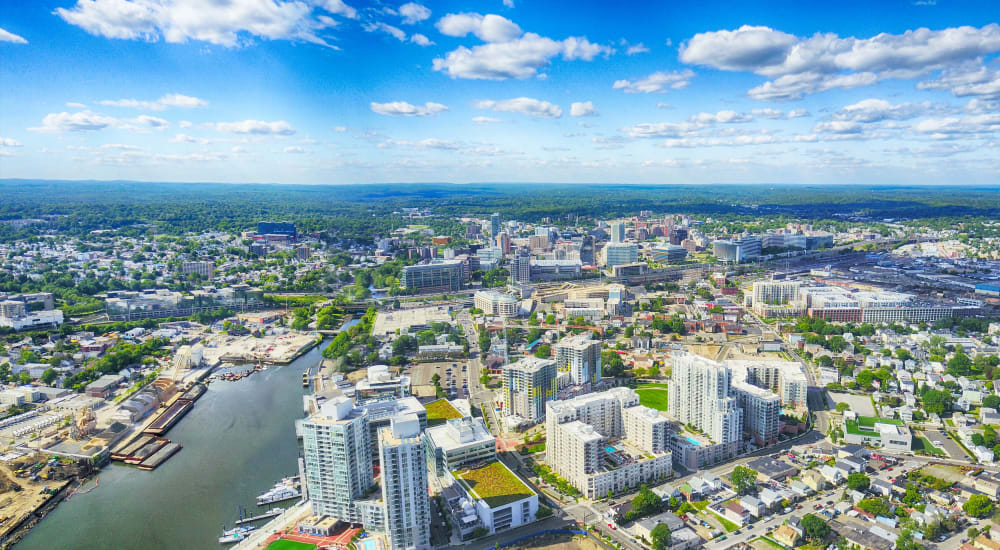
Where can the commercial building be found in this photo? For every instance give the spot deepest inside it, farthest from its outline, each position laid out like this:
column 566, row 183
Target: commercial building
column 607, row 442
column 737, row 251
column 494, row 498
column 887, row 433
column 580, row 356
column 459, row 442
column 619, row 253
column 205, row 269
column 520, row 267
column 284, row 229
column 405, row 496
column 495, row 303
column 435, row 276
column 587, row 250
column 380, row 385
column 551, row 270
column 668, row 253
column 678, row 235
column 618, row 232
column 527, row 385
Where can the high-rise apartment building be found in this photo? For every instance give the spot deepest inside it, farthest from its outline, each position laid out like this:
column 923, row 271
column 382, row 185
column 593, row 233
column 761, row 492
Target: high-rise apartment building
column 699, row 394
column 403, row 459
column 580, row 356
column 495, row 224
column 618, row 232
column 527, row 385
column 205, row 269
column 520, row 267
column 337, row 453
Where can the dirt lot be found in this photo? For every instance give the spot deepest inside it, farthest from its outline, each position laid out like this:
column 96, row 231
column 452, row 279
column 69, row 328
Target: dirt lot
column 947, row 473
column 559, row 542
column 20, row 497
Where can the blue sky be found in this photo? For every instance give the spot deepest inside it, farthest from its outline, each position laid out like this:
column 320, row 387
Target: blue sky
column 340, row 91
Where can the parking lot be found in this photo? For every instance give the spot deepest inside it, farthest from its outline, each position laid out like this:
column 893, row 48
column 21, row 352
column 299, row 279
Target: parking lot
column 947, row 443
column 451, row 372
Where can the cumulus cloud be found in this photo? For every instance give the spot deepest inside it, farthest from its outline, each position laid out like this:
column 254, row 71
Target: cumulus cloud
column 760, row 139
column 967, row 80
column 582, row 109
column 428, row 143
column 231, row 23
column 82, row 121
column 413, row 13
column 488, row 28
column 402, row 108
column 396, row 33
column 877, row 110
column 184, row 138
column 826, row 61
column 658, row 82
column 293, row 149
column 9, row 142
column 778, row 113
column 661, row 129
column 255, row 127
column 971, row 126
column 507, row 53
column 485, row 120
column 168, row 100
column 723, row 117
column 523, row 105
column 421, row 40
column 508, row 3
column 7, row 36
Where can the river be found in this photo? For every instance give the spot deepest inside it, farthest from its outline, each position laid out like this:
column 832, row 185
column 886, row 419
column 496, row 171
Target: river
column 238, row 440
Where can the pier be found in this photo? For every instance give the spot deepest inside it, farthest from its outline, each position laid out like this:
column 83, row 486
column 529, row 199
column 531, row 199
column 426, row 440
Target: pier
column 169, row 417
column 265, row 515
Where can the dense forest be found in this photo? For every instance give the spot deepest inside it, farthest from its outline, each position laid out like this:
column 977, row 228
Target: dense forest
column 78, row 207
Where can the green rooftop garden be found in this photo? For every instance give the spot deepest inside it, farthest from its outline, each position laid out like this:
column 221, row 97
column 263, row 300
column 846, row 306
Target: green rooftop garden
column 495, row 484
column 440, row 411
column 865, row 425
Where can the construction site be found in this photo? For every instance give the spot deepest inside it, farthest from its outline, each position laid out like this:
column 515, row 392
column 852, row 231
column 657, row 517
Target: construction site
column 30, row 487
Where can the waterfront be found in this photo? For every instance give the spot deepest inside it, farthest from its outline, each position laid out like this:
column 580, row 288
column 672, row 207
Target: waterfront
column 238, row 440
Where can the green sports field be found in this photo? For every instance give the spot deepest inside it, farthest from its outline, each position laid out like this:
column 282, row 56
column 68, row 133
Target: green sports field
column 651, row 396
column 290, row 545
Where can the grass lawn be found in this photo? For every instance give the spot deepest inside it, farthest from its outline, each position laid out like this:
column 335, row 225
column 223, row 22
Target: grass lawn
column 922, row 444
column 440, row 411
column 728, row 525
column 654, row 398
column 290, row 545
column 770, row 542
column 652, row 385
column 700, row 504
column 495, row 484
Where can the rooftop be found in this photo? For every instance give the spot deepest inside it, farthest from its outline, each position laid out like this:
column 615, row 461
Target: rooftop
column 441, row 410
column 495, row 484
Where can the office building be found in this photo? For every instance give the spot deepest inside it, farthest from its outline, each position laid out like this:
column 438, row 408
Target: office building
column 737, row 251
column 380, row 385
column 620, row 254
column 587, row 251
column 527, row 385
column 580, row 356
column 668, row 253
column 403, row 462
column 618, row 232
column 284, row 229
column 677, row 235
column 495, row 303
column 502, row 241
column 495, row 224
column 459, row 442
column 551, row 270
column 607, row 442
column 435, row 276
column 205, row 269
column 699, row 394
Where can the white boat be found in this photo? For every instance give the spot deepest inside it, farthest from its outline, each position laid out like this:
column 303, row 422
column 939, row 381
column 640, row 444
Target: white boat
column 236, row 534
column 283, row 490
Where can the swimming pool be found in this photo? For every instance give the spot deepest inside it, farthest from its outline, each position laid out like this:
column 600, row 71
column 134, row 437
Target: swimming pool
column 366, row 544
column 694, row 442
column 610, row 449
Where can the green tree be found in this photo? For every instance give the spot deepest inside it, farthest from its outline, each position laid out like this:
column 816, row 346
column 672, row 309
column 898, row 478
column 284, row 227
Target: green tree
column 660, row 536
column 49, row 376
column 646, row 503
column 841, row 407
column 543, row 351
column 978, row 506
column 814, row 528
column 744, row 479
column 937, row 401
column 858, row 481
column 991, row 401
column 960, row 364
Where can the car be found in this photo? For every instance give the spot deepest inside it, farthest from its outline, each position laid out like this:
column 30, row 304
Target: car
column 736, row 532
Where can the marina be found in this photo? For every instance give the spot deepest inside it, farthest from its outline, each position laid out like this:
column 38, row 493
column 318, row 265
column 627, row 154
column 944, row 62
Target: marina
column 273, row 512
column 286, row 489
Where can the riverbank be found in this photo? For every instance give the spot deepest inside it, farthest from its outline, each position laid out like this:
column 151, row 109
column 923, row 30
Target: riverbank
column 238, row 440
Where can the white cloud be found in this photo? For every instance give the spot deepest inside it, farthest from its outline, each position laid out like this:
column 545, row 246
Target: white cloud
column 231, row 23
column 293, row 149
column 340, row 129
column 508, row 3
column 488, row 28
column 582, row 109
column 762, row 139
column 75, row 105
column 878, row 110
column 413, row 13
column 82, row 121
column 402, row 108
column 485, row 120
column 184, row 138
column 396, row 33
column 826, row 61
column 798, row 113
column 144, row 121
column 664, row 106
column 7, row 36
column 168, row 100
column 722, row 117
column 838, row 127
column 120, row 147
column 636, row 48
column 507, row 53
column 9, row 142
column 778, row 113
column 661, row 129
column 523, row 105
column 256, row 127
column 421, row 40
column 967, row 80
column 983, row 125
column 658, row 82
column 428, row 143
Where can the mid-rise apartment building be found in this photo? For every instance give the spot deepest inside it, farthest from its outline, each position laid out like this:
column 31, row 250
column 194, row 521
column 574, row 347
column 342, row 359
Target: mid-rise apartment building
column 527, row 385
column 699, row 394
column 580, row 356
